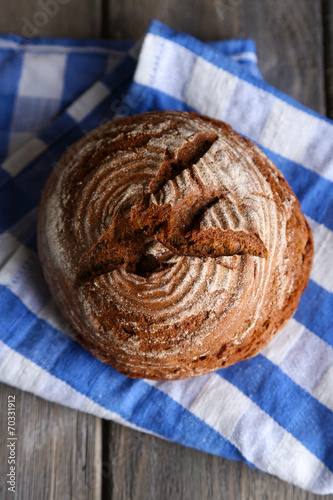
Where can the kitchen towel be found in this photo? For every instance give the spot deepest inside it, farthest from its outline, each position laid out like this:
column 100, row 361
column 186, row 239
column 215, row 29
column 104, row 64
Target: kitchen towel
column 275, row 411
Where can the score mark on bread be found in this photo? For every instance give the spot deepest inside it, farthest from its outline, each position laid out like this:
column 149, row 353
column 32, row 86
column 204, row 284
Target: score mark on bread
column 124, row 244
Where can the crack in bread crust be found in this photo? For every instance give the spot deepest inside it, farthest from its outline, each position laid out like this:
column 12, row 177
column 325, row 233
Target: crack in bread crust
column 123, row 245
column 186, row 156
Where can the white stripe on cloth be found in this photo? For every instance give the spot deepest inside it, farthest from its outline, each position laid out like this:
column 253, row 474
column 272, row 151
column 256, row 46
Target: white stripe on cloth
column 305, row 358
column 88, row 101
column 323, row 483
column 295, row 463
column 322, row 268
column 192, row 71
column 8, row 248
column 248, row 56
column 212, row 79
column 255, row 434
column 209, row 88
column 321, row 391
column 22, row 274
column 279, row 347
column 17, row 140
column 32, row 378
column 42, row 75
column 164, row 80
column 21, row 158
column 281, row 132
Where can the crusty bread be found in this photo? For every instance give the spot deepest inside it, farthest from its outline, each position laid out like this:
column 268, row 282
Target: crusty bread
column 172, row 245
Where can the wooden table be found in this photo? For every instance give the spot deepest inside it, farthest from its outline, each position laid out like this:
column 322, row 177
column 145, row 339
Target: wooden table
column 65, row 455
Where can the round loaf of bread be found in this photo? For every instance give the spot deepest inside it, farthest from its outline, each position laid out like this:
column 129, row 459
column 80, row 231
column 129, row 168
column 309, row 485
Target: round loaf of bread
column 172, row 245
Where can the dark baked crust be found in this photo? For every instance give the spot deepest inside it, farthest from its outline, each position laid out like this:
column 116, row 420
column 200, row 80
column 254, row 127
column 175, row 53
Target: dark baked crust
column 172, row 245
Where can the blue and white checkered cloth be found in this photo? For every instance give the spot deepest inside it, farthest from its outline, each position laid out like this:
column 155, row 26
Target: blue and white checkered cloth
column 275, row 411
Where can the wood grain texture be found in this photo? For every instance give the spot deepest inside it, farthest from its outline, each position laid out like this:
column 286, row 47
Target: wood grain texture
column 58, row 452
column 289, row 40
column 68, row 18
column 143, row 467
column 288, row 34
column 328, row 46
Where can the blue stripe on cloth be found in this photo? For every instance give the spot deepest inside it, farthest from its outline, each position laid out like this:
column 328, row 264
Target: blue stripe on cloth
column 4, row 144
column 4, row 176
column 14, row 204
column 221, row 61
column 77, row 79
column 141, row 98
column 121, row 74
column 275, row 393
column 20, row 194
column 315, row 311
column 54, row 132
column 31, row 241
column 245, row 49
column 10, row 70
column 144, row 405
column 7, row 103
column 235, row 46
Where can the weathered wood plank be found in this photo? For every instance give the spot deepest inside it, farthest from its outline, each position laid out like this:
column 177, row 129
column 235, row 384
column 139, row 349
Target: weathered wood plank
column 289, row 39
column 328, row 42
column 288, row 34
column 58, row 450
column 71, row 18
column 145, row 467
column 199, row 18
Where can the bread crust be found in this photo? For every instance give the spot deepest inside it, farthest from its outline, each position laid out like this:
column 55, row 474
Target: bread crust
column 172, row 245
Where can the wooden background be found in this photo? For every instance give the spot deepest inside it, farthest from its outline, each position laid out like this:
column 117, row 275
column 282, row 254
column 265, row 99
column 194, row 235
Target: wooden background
column 65, row 455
